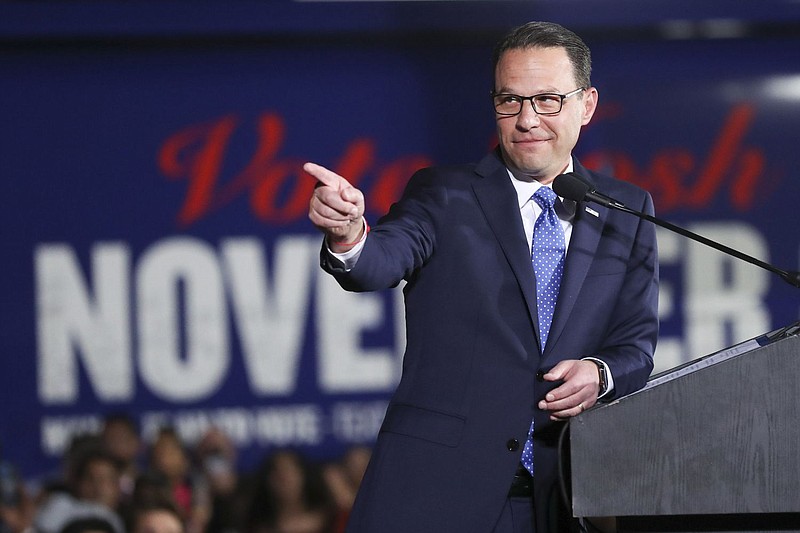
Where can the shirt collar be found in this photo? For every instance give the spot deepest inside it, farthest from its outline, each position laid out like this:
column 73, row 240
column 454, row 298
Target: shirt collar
column 526, row 189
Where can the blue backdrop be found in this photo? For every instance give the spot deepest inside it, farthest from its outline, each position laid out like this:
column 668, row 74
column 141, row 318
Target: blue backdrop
column 157, row 256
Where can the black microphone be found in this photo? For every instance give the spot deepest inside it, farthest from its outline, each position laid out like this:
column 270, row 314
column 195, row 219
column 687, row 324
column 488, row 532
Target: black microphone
column 576, row 188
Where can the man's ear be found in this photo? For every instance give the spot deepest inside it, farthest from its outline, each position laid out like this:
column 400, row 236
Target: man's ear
column 589, row 105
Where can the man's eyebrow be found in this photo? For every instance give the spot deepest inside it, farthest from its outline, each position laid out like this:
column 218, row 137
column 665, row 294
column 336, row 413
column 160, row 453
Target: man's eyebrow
column 547, row 90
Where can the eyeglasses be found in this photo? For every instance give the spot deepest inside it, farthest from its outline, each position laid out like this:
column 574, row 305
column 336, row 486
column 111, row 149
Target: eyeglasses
column 543, row 104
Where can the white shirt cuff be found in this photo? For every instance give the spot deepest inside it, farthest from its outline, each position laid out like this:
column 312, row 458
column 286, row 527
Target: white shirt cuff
column 350, row 257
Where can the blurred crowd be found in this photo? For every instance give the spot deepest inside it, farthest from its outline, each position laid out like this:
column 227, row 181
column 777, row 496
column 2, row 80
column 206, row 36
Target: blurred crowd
column 112, row 483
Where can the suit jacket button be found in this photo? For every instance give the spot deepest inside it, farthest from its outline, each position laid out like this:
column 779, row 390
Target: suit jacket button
column 512, row 445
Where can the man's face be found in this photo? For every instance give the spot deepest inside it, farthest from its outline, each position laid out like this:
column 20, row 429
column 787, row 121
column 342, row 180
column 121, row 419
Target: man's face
column 534, row 145
column 100, row 483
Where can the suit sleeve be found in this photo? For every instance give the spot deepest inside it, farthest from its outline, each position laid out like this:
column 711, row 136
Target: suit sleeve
column 633, row 331
column 401, row 241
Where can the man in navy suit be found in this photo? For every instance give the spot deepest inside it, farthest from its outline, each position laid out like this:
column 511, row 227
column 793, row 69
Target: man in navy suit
column 477, row 377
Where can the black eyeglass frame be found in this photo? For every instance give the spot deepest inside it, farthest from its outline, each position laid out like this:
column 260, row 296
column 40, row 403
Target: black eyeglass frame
column 532, row 100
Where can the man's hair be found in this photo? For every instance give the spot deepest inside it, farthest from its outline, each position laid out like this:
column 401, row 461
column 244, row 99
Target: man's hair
column 89, row 523
column 549, row 35
column 88, row 457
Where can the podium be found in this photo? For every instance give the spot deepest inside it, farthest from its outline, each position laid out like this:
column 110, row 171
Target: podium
column 713, row 445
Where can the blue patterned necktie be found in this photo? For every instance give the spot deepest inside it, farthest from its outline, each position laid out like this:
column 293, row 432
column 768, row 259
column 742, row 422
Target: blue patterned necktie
column 547, row 257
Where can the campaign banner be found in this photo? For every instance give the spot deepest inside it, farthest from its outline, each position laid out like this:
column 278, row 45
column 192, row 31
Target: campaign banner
column 158, row 259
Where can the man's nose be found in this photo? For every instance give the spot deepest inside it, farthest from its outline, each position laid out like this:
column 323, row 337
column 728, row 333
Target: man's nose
column 527, row 118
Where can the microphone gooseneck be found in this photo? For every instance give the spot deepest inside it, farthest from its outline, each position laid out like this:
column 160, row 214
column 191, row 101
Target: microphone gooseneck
column 576, row 188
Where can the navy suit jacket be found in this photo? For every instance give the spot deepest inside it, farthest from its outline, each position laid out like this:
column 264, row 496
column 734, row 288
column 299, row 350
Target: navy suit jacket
column 454, row 430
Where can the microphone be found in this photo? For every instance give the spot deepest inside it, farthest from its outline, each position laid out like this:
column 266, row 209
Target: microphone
column 576, row 188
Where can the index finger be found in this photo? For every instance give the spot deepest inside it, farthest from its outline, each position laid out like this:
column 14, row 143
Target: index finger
column 326, row 177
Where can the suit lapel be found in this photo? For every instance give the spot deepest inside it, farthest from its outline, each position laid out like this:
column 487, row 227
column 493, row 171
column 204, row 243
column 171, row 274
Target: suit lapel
column 498, row 200
column 586, row 232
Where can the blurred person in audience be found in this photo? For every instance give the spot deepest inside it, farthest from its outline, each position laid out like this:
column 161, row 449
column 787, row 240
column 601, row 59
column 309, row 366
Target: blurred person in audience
column 355, row 463
column 151, row 487
column 187, row 487
column 158, row 516
column 288, row 497
column 90, row 491
column 96, row 479
column 216, row 458
column 120, row 436
column 16, row 505
column 89, row 525
column 60, row 511
column 78, row 448
column 343, row 478
column 151, row 490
